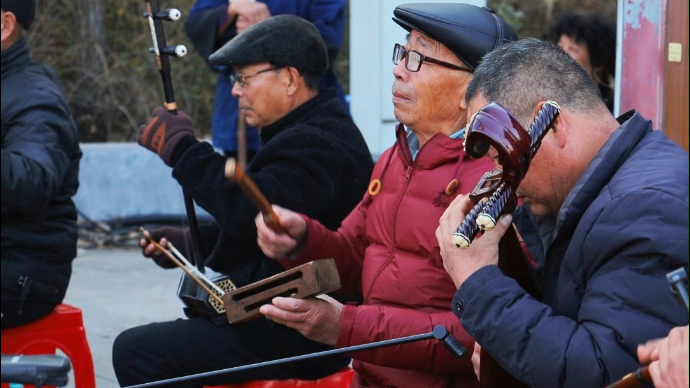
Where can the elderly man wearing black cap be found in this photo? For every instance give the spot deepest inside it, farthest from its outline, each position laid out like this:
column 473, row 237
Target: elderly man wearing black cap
column 386, row 247
column 40, row 166
column 313, row 159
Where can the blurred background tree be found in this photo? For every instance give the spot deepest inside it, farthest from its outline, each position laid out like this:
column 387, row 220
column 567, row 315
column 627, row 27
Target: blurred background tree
column 99, row 49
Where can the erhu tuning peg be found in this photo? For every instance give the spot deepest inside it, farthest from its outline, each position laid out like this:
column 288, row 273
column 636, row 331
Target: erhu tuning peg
column 175, row 51
column 171, row 14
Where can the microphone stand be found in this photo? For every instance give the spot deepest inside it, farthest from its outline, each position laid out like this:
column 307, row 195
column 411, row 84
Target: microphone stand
column 440, row 333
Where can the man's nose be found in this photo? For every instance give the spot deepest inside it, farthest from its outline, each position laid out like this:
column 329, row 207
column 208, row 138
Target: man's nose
column 400, row 71
column 236, row 89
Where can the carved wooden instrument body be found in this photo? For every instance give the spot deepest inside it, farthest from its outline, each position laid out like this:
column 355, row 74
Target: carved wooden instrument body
column 307, row 280
column 494, row 195
column 199, row 303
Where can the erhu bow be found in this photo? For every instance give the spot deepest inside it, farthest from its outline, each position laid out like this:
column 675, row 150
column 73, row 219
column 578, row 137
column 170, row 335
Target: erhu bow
column 494, row 195
column 197, row 300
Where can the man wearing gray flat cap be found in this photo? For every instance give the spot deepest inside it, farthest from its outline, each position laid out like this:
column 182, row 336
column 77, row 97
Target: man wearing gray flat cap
column 387, row 247
column 313, row 159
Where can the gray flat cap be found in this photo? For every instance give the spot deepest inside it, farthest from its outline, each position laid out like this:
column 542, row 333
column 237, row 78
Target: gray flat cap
column 283, row 40
column 467, row 30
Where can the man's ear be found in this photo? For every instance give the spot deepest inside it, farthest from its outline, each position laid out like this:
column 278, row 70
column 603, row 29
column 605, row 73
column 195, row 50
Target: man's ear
column 292, row 80
column 9, row 25
column 559, row 127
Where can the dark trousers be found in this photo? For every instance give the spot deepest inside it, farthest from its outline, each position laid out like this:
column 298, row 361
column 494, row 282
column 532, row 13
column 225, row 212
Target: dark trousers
column 30, row 288
column 183, row 347
column 17, row 311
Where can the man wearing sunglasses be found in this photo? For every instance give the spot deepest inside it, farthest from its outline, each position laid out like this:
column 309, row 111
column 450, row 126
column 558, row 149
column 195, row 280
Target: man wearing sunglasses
column 386, row 247
column 313, row 159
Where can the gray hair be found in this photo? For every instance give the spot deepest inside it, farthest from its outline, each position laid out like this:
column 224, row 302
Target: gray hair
column 520, row 74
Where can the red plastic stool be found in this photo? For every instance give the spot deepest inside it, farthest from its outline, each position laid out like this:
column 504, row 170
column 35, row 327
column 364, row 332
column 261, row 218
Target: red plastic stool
column 62, row 329
column 341, row 379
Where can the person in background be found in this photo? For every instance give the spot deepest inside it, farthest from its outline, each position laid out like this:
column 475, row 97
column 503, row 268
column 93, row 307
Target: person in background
column 386, row 248
column 668, row 359
column 40, row 175
column 314, row 158
column 591, row 41
column 212, row 23
column 604, row 214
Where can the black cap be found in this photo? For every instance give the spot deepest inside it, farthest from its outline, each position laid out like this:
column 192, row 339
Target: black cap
column 23, row 10
column 284, row 40
column 467, row 30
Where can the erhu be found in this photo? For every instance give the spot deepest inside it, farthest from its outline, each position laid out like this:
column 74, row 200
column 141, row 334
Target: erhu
column 494, row 195
column 307, row 280
column 228, row 304
column 241, row 304
column 198, row 301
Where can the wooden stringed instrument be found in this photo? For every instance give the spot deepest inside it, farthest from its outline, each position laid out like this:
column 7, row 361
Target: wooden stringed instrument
column 494, row 195
column 197, row 300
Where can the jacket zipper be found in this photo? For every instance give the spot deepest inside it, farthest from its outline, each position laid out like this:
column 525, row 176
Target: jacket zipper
column 408, row 175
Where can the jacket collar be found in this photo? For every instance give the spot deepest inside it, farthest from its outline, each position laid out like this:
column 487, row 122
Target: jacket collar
column 615, row 151
column 16, row 56
column 436, row 151
column 296, row 115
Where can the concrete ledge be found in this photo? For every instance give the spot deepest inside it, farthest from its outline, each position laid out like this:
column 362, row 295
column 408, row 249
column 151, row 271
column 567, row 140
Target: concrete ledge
column 124, row 179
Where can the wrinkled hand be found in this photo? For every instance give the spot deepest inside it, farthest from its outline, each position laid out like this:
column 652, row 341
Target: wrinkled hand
column 164, row 131
column 669, row 359
column 476, row 358
column 178, row 237
column 248, row 12
column 276, row 245
column 461, row 263
column 316, row 318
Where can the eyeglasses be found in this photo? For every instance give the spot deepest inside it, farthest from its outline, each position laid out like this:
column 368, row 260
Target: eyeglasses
column 241, row 79
column 414, row 60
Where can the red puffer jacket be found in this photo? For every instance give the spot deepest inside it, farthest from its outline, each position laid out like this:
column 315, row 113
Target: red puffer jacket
column 386, row 248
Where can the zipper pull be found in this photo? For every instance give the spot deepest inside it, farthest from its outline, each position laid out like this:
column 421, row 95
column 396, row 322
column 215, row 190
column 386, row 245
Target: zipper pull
column 408, row 174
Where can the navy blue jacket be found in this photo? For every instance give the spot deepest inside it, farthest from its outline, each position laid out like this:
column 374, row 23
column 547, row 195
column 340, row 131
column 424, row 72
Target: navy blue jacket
column 40, row 168
column 621, row 229
column 327, row 15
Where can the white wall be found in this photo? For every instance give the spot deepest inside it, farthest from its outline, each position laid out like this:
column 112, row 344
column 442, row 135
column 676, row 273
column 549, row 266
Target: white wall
column 372, row 36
